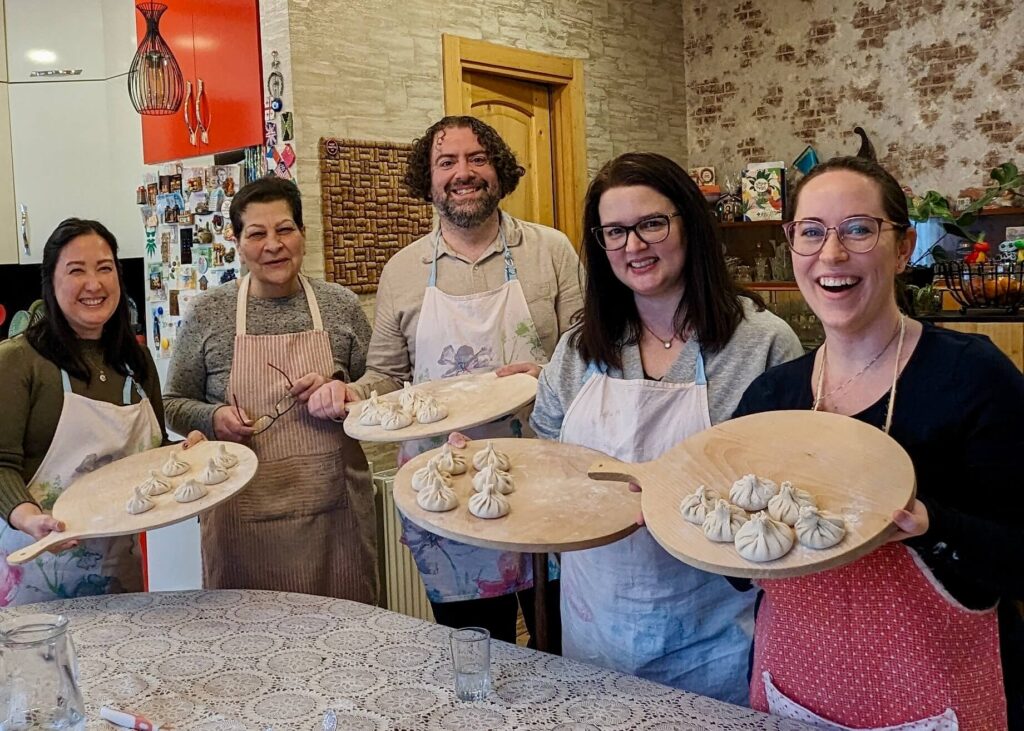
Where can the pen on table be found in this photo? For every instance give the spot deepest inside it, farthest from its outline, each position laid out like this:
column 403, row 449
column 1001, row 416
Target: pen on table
column 127, row 719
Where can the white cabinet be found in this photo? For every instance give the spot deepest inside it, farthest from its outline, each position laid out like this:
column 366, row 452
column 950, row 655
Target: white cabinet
column 75, row 141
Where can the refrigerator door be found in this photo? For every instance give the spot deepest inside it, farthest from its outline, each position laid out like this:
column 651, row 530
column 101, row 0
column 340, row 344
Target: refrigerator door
column 55, row 40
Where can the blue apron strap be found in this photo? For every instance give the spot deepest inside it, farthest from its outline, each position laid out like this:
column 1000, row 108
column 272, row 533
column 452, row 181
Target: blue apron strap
column 65, row 380
column 702, row 378
column 593, row 368
column 432, row 278
column 510, row 266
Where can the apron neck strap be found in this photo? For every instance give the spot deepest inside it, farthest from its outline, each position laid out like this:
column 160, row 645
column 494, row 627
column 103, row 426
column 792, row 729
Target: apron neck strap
column 243, row 298
column 510, row 266
column 702, row 377
column 126, row 392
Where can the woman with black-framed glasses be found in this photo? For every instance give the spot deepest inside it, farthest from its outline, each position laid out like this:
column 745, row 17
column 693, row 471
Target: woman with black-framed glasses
column 665, row 346
column 908, row 635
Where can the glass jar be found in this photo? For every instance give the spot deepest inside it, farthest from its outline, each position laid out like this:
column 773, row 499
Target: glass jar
column 39, row 675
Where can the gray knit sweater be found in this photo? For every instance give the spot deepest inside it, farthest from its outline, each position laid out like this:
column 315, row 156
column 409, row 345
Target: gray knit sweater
column 197, row 380
column 761, row 341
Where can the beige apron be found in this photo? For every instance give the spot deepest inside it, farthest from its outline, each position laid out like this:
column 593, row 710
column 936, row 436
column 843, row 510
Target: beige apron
column 89, row 434
column 306, row 522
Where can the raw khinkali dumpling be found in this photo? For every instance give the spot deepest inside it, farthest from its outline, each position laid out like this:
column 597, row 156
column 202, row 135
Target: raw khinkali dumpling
column 751, row 492
column 723, row 521
column 491, row 476
column 816, row 529
column 488, row 456
column 437, row 497
column 154, row 486
column 174, row 465
column 448, row 461
column 188, row 491
column 138, row 502
column 394, row 419
column 225, row 459
column 373, row 410
column 430, row 410
column 763, row 539
column 696, row 505
column 488, row 503
column 425, row 476
column 213, row 475
column 410, row 399
column 786, row 505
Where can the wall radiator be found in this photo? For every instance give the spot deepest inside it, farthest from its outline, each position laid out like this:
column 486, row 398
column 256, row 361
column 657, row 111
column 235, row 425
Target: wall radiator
column 401, row 586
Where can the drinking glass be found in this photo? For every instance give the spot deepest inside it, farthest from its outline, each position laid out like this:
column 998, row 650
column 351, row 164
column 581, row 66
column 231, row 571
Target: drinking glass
column 471, row 660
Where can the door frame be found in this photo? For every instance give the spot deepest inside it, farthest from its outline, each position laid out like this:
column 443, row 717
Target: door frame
column 564, row 78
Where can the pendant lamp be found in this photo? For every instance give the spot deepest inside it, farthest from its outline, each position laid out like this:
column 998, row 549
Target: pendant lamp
column 155, row 83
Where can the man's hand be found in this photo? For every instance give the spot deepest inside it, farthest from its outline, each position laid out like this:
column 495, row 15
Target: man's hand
column 530, row 368
column 194, row 437
column 304, row 388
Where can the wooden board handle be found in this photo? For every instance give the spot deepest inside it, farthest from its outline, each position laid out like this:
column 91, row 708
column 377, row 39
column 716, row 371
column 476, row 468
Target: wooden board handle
column 612, row 470
column 26, row 554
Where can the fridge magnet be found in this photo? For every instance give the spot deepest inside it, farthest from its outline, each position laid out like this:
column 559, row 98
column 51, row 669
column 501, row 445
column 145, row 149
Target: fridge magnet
column 276, row 104
column 166, row 238
column 287, row 128
column 197, row 201
column 229, row 255
column 229, row 232
column 176, row 183
column 203, row 284
column 218, row 255
column 217, row 222
column 270, row 132
column 282, row 171
column 275, row 79
column 150, row 242
column 165, row 183
column 228, row 275
column 156, row 280
column 140, row 195
column 204, row 234
column 201, row 258
column 225, row 208
column 186, row 239
column 172, row 302
column 216, row 200
column 288, row 155
column 185, row 218
column 151, row 192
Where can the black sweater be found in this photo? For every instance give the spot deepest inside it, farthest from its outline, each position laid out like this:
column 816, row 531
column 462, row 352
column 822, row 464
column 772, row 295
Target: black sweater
column 959, row 413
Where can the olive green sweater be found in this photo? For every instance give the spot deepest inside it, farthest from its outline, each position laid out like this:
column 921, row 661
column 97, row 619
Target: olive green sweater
column 32, row 402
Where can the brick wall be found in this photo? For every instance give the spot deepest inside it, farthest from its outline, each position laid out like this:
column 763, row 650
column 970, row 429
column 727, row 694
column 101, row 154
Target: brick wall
column 371, row 69
column 936, row 83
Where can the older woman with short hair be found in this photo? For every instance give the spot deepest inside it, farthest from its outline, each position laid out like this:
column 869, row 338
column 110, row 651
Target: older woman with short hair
column 256, row 362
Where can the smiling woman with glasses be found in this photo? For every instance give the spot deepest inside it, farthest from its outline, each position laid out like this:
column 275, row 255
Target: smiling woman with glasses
column 265, row 361
column 908, row 635
column 665, row 346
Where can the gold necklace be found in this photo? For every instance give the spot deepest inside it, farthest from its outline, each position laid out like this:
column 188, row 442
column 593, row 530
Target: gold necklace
column 824, row 361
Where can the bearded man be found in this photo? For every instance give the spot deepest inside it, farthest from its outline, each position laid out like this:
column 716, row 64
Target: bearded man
column 481, row 292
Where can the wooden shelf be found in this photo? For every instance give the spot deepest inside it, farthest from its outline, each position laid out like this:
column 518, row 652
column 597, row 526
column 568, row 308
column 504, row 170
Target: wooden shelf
column 1006, row 211
column 750, row 224
column 757, row 286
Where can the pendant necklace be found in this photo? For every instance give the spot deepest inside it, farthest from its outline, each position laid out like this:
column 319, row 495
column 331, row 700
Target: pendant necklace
column 824, row 360
column 666, row 343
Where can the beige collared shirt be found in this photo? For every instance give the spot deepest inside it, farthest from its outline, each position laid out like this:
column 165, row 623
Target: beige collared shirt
column 548, row 270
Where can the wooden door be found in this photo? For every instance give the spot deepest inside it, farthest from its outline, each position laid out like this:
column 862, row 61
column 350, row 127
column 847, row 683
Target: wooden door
column 229, row 66
column 520, row 112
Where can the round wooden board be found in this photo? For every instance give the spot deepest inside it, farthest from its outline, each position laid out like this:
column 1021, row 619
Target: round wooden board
column 853, row 469
column 555, row 506
column 94, row 505
column 471, row 400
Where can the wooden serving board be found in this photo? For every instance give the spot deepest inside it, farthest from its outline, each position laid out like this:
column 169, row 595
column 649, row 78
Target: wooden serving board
column 555, row 506
column 471, row 400
column 853, row 469
column 94, row 505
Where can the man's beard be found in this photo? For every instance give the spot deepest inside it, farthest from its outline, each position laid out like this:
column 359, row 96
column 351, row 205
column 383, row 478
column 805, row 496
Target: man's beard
column 470, row 214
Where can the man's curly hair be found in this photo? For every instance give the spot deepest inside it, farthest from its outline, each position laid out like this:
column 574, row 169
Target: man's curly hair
column 417, row 177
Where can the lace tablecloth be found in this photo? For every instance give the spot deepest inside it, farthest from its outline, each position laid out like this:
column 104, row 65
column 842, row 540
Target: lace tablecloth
column 232, row 660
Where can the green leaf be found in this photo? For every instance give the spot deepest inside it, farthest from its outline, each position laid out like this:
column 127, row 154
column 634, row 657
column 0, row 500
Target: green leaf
column 938, row 253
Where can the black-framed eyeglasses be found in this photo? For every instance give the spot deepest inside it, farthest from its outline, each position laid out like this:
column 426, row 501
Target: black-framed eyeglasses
column 857, row 234
column 650, row 230
column 282, row 407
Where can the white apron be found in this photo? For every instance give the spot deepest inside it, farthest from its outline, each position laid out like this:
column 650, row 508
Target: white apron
column 630, row 606
column 456, row 335
column 89, row 434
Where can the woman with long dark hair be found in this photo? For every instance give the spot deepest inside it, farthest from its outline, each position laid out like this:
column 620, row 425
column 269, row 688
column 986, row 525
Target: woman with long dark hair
column 81, row 392
column 665, row 347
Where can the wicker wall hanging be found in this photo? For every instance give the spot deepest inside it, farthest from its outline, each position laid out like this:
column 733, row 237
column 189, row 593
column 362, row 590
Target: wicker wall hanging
column 367, row 214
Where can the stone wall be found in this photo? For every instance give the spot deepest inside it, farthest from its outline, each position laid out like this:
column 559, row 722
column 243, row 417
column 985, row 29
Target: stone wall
column 936, row 83
column 371, row 69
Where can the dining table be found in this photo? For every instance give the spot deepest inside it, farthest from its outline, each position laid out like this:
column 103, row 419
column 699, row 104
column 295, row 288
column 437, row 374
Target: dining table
column 238, row 659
